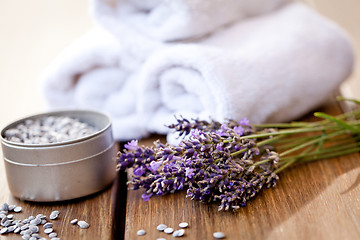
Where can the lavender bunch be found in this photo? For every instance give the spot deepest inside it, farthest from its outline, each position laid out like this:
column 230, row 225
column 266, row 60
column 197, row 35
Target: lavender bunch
column 212, row 166
column 231, row 162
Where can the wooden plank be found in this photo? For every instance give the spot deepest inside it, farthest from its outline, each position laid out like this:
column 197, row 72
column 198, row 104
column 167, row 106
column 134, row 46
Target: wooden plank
column 94, row 209
column 319, row 200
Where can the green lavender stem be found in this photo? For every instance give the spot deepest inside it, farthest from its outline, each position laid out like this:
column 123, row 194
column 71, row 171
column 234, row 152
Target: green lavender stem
column 311, row 142
column 291, row 131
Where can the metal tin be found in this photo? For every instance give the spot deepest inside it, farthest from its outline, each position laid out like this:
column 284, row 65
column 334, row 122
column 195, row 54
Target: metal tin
column 65, row 170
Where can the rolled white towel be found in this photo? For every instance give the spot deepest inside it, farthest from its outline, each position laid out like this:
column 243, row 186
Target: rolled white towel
column 271, row 68
column 96, row 72
column 169, row 20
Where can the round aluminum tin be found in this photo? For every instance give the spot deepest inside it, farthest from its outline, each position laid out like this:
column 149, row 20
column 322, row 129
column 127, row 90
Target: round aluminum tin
column 64, row 170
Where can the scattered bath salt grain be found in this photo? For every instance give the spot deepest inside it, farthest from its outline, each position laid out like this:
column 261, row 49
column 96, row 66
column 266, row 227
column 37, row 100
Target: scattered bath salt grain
column 74, row 221
column 141, row 232
column 168, row 230
column 161, row 227
column 41, row 216
column 11, row 228
column 7, row 223
column 4, row 207
column 49, row 129
column 83, row 224
column 48, row 230
column 35, row 221
column 183, row 225
column 54, row 215
column 55, row 212
column 33, row 228
column 29, row 228
column 26, row 221
column 27, row 232
column 3, row 230
column 48, row 225
column 26, row 237
column 52, row 235
column 219, row 235
column 26, row 226
column 17, row 209
column 179, row 233
column 11, row 208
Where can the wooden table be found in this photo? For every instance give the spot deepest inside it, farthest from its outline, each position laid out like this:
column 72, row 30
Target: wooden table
column 319, row 200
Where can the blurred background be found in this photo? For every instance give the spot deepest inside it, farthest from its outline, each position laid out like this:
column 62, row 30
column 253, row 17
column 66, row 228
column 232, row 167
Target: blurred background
column 33, row 33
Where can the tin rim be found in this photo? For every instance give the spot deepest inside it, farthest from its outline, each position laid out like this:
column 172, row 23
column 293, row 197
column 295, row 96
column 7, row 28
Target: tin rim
column 59, row 113
column 62, row 163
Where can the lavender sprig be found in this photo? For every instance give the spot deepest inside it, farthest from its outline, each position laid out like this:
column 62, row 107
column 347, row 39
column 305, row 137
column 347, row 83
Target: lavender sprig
column 212, row 166
column 231, row 162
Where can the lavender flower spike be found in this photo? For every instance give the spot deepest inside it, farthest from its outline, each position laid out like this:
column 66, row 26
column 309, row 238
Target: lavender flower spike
column 132, row 145
column 146, row 197
column 139, row 171
column 189, row 172
column 154, row 166
column 239, row 130
column 230, row 163
column 244, row 122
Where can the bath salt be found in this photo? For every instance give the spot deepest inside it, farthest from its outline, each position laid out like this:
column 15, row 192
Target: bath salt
column 49, row 129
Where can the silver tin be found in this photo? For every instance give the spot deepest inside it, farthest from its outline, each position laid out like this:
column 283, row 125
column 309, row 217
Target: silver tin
column 65, row 170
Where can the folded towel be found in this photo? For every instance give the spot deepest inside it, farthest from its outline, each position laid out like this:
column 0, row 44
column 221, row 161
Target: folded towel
column 274, row 60
column 271, row 68
column 168, row 20
column 96, row 72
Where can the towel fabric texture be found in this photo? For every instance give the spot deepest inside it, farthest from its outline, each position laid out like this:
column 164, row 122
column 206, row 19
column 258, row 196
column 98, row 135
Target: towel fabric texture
column 273, row 67
column 169, row 20
column 95, row 72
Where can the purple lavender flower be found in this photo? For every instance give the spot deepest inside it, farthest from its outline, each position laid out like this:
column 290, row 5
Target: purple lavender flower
column 154, row 166
column 146, row 197
column 220, row 162
column 184, row 126
column 189, row 172
column 224, row 127
column 139, row 171
column 244, row 122
column 132, row 145
column 239, row 130
column 196, row 133
column 223, row 131
column 214, row 164
column 219, row 147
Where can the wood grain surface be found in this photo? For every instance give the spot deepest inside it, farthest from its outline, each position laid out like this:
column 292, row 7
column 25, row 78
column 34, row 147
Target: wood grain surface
column 94, row 209
column 318, row 200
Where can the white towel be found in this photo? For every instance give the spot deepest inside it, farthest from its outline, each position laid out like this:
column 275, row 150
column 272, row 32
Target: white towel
column 273, row 60
column 96, row 72
column 271, row 68
column 169, row 20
